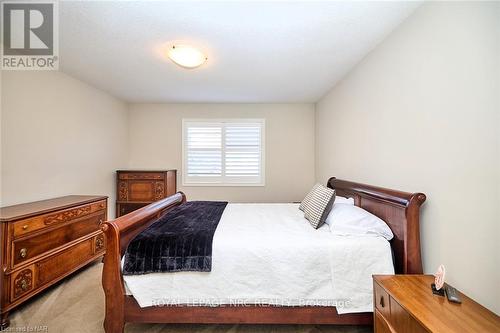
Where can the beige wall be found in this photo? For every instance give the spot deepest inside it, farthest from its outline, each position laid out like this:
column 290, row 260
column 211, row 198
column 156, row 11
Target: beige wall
column 155, row 142
column 59, row 136
column 421, row 113
column 68, row 137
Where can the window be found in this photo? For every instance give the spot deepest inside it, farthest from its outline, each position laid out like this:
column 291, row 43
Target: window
column 223, row 152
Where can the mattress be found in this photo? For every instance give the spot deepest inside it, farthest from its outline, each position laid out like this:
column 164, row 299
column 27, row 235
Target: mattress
column 268, row 254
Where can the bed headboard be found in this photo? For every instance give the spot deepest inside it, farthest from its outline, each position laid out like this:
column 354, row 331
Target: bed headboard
column 400, row 210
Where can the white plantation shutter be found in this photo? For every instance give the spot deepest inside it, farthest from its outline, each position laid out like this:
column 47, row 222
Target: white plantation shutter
column 204, row 150
column 243, row 146
column 228, row 152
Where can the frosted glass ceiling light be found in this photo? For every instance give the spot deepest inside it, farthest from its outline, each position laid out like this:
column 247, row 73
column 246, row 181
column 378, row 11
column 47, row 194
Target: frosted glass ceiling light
column 186, row 56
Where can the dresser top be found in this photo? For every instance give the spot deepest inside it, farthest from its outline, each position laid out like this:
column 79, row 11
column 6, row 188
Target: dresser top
column 17, row 212
column 436, row 313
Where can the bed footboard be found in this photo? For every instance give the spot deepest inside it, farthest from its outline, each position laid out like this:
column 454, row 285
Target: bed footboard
column 119, row 233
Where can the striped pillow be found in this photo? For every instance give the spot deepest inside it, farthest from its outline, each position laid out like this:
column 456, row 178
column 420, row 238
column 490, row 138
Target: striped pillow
column 319, row 205
column 308, row 197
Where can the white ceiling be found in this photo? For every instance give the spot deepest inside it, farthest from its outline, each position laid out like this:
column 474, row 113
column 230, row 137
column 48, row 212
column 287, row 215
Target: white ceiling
column 257, row 51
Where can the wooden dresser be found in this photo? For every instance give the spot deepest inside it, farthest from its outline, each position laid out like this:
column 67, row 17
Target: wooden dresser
column 138, row 188
column 405, row 303
column 44, row 241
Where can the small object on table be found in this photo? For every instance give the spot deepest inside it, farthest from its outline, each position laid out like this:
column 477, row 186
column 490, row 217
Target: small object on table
column 435, row 291
column 437, row 286
column 452, row 294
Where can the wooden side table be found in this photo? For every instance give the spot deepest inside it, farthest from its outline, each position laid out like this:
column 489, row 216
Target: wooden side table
column 405, row 303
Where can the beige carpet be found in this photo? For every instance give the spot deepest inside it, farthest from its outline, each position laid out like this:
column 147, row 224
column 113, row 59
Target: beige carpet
column 77, row 305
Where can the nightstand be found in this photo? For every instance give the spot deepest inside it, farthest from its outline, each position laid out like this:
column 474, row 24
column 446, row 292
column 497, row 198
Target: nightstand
column 405, row 303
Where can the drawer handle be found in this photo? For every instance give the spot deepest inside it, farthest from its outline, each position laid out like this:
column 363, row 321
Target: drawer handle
column 99, row 244
column 24, row 285
column 100, row 221
column 23, row 253
column 101, row 205
column 25, row 227
column 382, row 303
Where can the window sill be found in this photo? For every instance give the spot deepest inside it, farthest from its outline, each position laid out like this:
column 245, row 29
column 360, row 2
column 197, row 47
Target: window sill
column 223, row 184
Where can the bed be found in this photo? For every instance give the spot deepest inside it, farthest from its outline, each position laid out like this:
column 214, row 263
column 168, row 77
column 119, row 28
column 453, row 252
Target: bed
column 171, row 297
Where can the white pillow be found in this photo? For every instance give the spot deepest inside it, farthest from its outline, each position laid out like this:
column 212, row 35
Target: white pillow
column 350, row 220
column 343, row 200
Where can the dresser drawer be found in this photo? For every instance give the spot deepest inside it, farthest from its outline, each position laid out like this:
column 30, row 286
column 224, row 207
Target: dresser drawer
column 142, row 175
column 399, row 317
column 415, row 327
column 381, row 325
column 137, row 188
column 141, row 190
column 401, row 321
column 30, row 247
column 48, row 220
column 382, row 301
column 30, row 278
column 68, row 260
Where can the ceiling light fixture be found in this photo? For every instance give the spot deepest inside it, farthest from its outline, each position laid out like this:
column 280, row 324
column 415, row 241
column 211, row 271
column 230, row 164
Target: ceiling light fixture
column 186, row 56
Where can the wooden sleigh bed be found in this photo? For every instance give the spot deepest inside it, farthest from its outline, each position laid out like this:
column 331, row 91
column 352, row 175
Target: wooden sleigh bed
column 400, row 210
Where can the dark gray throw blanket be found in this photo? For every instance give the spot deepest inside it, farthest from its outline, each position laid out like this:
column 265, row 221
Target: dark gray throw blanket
column 181, row 240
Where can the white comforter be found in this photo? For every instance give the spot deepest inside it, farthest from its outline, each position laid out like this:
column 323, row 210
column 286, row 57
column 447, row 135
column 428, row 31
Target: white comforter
column 269, row 254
